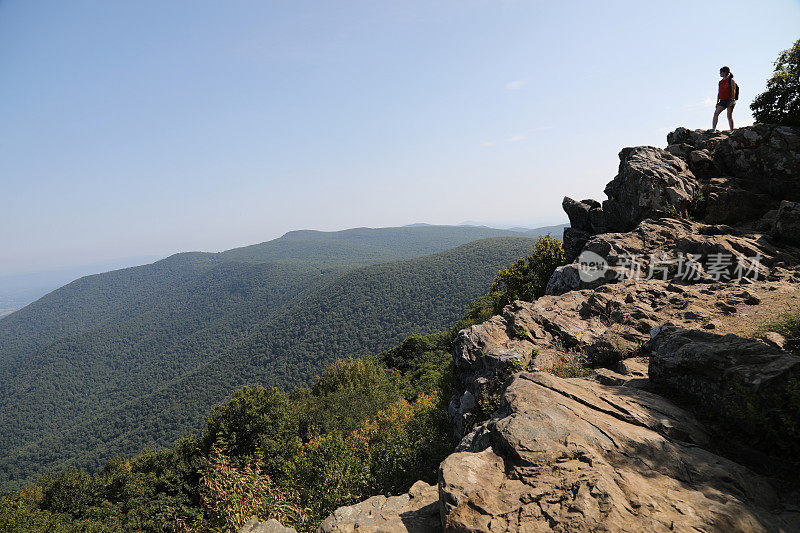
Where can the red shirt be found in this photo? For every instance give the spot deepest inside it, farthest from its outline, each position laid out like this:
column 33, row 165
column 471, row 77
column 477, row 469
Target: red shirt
column 725, row 92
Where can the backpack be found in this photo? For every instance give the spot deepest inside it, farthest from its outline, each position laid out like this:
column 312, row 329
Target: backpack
column 736, row 90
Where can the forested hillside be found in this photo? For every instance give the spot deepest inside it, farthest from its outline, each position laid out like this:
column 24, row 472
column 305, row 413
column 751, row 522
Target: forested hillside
column 145, row 372
column 93, row 300
column 366, row 426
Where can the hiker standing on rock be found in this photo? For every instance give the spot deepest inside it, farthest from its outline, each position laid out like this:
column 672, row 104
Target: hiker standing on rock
column 726, row 97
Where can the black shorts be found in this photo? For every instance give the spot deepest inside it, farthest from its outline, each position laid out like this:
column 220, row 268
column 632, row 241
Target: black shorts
column 727, row 103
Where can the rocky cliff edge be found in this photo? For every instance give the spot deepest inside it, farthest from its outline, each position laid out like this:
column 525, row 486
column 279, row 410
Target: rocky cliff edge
column 685, row 422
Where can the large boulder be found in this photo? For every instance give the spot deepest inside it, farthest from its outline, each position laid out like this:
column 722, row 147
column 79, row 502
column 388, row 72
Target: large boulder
column 691, row 140
column 534, row 335
column 730, row 201
column 736, row 178
column 702, row 164
column 787, row 223
column 574, row 455
column 484, row 355
column 765, row 156
column 603, row 326
column 728, row 377
column 651, row 182
column 578, row 212
column 574, row 240
column 663, row 248
column 465, row 478
column 585, row 219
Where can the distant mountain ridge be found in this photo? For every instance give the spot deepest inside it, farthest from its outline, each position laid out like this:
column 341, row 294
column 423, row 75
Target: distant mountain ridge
column 96, row 352
column 312, row 248
column 21, row 289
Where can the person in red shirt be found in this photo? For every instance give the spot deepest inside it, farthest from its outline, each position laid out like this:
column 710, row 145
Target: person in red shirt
column 725, row 97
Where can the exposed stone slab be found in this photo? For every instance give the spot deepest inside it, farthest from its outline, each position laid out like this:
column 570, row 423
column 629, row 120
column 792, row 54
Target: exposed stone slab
column 414, row 512
column 572, row 455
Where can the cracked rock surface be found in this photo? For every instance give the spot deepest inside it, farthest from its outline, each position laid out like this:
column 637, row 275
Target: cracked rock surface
column 573, row 455
column 637, row 443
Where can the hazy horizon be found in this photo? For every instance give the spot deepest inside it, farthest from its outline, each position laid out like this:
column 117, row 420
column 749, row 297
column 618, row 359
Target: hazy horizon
column 18, row 289
column 149, row 258
column 147, row 128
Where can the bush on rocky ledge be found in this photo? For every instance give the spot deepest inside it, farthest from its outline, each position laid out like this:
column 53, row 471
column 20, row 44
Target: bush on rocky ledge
column 527, row 278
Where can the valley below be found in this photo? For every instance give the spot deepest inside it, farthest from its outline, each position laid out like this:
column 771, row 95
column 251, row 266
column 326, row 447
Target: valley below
column 640, row 375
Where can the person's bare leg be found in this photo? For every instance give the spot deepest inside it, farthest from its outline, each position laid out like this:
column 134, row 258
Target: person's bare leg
column 717, row 111
column 730, row 117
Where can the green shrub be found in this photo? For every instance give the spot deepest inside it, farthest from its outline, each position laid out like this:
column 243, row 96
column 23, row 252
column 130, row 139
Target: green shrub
column 788, row 325
column 527, row 278
column 327, row 474
column 256, row 419
column 424, row 364
column 571, row 364
column 772, row 425
column 232, row 495
column 480, row 310
column 386, row 454
column 780, row 103
column 405, row 442
column 72, row 492
column 349, row 391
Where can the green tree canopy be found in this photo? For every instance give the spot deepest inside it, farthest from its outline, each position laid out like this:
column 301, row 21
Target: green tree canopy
column 255, row 419
column 527, row 278
column 780, row 103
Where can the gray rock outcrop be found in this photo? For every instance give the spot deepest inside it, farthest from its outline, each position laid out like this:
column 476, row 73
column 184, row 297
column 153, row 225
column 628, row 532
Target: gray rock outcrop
column 717, row 178
column 573, row 455
column 718, row 253
column 254, row 525
column 414, row 512
column 607, row 325
column 651, row 182
column 786, row 227
column 634, row 444
column 721, row 374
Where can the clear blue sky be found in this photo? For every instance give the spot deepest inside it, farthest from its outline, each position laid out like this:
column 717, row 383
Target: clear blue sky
column 151, row 127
